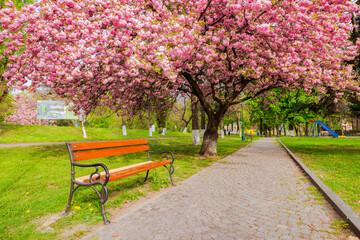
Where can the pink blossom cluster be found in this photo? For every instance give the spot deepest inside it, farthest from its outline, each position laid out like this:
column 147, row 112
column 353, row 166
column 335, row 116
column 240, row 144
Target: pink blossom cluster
column 24, row 111
column 125, row 53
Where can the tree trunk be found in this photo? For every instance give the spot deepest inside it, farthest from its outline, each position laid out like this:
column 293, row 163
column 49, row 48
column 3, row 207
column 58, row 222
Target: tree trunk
column 150, row 123
column 195, row 107
column 296, row 130
column 300, row 133
column 203, row 122
column 161, row 121
column 222, row 128
column 307, row 129
column 284, row 127
column 163, row 126
column 209, row 146
column 261, row 127
column 238, row 124
column 265, row 130
column 123, row 125
column 183, row 119
column 291, row 130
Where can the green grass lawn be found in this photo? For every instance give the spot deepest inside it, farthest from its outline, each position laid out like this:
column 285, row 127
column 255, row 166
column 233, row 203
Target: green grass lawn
column 335, row 161
column 10, row 133
column 35, row 181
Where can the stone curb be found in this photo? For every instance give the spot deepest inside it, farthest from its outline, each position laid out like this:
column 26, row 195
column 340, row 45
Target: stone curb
column 339, row 205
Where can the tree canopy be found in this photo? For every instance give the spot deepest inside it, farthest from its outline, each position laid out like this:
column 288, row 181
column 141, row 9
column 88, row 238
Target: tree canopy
column 225, row 52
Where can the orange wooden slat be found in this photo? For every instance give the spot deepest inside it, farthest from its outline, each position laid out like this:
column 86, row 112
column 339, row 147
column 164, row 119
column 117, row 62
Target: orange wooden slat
column 111, row 171
column 108, row 152
column 129, row 172
column 125, row 172
column 108, row 144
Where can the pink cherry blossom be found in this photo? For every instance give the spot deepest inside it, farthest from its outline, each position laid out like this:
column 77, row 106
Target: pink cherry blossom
column 126, row 54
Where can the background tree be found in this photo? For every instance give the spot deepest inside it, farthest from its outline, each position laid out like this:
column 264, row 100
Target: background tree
column 180, row 115
column 162, row 114
column 354, row 107
column 280, row 108
column 24, row 111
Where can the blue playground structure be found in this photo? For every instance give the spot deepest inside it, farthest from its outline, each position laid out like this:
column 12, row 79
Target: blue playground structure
column 315, row 129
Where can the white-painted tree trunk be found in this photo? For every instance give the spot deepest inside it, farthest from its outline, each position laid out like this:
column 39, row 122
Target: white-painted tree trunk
column 185, row 130
column 150, row 131
column 222, row 133
column 124, row 130
column 83, row 129
column 153, row 127
column 222, row 129
column 203, row 132
column 163, row 131
column 196, row 137
column 291, row 133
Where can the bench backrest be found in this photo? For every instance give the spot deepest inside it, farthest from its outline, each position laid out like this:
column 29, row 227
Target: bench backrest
column 82, row 151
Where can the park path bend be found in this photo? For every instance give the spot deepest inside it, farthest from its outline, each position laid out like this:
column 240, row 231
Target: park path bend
column 255, row 193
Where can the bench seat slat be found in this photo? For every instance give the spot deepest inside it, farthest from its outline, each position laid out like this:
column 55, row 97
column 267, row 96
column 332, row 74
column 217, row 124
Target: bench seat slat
column 132, row 171
column 126, row 171
column 108, row 152
column 109, row 144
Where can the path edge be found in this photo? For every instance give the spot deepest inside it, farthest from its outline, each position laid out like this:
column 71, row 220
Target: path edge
column 338, row 204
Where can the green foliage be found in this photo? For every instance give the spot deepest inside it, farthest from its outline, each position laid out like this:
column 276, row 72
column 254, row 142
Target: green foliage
column 35, row 182
column 99, row 121
column 18, row 3
column 5, row 107
column 354, row 106
column 284, row 107
column 335, row 161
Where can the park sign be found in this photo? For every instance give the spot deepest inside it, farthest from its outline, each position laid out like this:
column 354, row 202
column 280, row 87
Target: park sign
column 54, row 110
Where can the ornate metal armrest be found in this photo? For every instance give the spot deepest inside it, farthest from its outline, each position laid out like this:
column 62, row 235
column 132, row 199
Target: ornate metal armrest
column 165, row 156
column 96, row 165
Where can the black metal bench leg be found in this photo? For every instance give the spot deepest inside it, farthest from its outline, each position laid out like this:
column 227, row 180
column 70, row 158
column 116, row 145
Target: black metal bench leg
column 70, row 198
column 103, row 213
column 147, row 174
column 103, row 199
column 171, row 170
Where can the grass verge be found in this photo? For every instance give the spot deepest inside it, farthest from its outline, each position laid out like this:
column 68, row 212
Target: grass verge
column 10, row 133
column 335, row 161
column 35, row 182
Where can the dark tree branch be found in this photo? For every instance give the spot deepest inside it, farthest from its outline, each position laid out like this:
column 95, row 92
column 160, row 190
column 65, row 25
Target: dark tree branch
column 197, row 91
column 217, row 20
column 203, row 13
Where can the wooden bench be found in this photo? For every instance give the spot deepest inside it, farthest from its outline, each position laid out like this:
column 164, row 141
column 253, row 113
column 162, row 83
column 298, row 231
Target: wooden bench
column 89, row 150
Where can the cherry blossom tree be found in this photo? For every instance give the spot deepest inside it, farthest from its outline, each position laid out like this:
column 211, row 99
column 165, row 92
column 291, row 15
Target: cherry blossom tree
column 4, row 91
column 102, row 52
column 24, row 111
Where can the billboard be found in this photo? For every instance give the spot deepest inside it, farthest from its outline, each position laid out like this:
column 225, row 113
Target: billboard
column 54, row 110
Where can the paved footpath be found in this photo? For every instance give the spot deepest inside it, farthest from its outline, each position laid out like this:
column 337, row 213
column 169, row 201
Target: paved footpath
column 255, row 193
